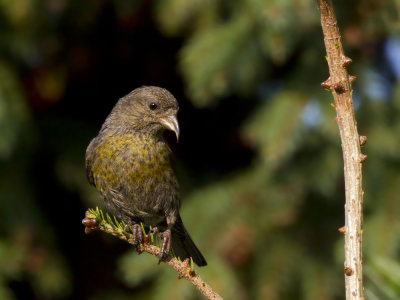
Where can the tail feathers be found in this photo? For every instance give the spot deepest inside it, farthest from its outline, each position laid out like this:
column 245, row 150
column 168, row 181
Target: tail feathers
column 184, row 246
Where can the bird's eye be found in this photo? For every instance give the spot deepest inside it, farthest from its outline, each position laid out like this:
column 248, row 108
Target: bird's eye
column 153, row 106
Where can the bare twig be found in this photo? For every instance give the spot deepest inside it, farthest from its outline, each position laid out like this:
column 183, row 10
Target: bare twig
column 339, row 83
column 93, row 221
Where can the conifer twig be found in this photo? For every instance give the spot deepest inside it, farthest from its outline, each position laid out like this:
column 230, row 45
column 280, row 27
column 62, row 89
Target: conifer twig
column 94, row 219
column 339, row 83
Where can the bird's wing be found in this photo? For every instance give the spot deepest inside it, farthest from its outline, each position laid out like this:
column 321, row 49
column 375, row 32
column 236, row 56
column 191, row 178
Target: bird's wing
column 119, row 200
column 90, row 151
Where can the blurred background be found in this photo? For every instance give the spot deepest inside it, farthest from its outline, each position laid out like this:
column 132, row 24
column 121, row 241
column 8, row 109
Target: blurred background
column 259, row 158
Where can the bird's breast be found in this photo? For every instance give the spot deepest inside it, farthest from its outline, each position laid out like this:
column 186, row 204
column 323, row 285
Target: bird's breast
column 134, row 175
column 132, row 160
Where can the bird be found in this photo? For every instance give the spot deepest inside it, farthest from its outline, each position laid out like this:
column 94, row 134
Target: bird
column 129, row 163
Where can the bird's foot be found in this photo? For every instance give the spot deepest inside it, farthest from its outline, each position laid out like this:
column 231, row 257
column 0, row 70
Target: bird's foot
column 166, row 245
column 154, row 230
column 90, row 222
column 137, row 234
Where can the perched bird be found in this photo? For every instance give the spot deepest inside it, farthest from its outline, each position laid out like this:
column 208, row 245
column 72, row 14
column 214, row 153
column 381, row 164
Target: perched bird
column 129, row 163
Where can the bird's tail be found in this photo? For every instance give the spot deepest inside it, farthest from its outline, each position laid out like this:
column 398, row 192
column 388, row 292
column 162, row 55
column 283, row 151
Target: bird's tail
column 184, row 246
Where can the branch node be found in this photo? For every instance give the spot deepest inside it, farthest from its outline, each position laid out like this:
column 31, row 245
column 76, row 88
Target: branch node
column 363, row 140
column 90, row 222
column 348, row 271
column 346, row 61
column 185, row 267
column 352, row 78
column 363, row 157
column 327, row 84
column 186, row 263
column 192, row 272
column 342, row 230
column 146, row 239
column 339, row 87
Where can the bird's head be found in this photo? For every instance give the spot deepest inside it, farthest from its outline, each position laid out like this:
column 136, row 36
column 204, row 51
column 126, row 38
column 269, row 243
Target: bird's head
column 146, row 109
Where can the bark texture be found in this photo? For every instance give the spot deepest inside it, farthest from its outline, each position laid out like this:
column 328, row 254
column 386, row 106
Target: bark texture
column 339, row 83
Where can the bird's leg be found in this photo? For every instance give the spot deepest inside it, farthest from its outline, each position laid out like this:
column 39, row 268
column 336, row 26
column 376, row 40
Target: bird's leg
column 166, row 236
column 137, row 234
column 166, row 245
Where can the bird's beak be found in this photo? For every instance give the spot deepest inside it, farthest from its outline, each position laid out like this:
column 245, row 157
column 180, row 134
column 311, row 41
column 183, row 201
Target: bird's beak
column 171, row 123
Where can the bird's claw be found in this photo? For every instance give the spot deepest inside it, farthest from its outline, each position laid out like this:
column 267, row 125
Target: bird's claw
column 166, row 245
column 137, row 234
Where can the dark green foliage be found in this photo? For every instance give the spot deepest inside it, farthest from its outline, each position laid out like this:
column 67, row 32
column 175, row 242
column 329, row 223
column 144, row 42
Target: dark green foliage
column 259, row 159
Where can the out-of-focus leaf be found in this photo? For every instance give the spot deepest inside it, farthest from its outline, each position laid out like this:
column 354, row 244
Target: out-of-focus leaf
column 11, row 259
column 209, row 77
column 177, row 16
column 274, row 128
column 5, row 292
column 52, row 279
column 222, row 279
column 169, row 287
column 279, row 26
column 13, row 111
column 384, row 273
column 134, row 269
column 17, row 11
column 273, row 274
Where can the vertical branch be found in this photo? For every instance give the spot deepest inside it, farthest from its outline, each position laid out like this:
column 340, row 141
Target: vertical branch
column 339, row 83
